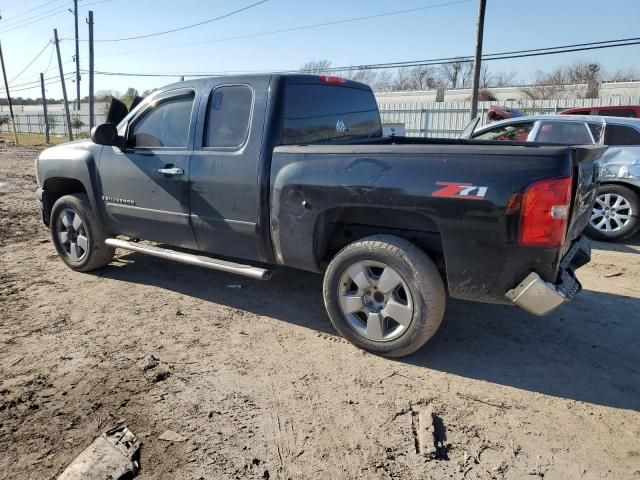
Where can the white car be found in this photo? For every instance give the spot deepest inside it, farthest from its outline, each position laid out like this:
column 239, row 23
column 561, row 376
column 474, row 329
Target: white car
column 616, row 213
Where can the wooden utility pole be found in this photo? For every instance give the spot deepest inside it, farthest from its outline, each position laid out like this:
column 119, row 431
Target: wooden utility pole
column 475, row 88
column 6, row 86
column 64, row 88
column 91, row 99
column 75, row 14
column 44, row 107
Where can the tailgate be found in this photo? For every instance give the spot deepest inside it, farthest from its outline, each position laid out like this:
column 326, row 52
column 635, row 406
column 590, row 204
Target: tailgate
column 586, row 169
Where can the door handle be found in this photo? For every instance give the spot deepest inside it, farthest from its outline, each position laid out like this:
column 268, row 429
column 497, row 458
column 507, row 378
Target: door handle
column 175, row 171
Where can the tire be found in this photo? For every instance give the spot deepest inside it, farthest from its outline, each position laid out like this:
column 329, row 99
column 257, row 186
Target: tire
column 386, row 312
column 624, row 206
column 78, row 235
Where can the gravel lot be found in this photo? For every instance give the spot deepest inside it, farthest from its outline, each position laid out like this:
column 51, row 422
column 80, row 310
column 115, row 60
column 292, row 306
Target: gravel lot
column 258, row 382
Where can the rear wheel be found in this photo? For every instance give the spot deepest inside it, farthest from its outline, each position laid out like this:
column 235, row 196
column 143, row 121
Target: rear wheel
column 77, row 234
column 384, row 295
column 615, row 214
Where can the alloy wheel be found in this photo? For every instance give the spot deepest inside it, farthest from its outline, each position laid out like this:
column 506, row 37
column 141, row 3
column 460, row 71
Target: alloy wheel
column 375, row 300
column 611, row 212
column 72, row 235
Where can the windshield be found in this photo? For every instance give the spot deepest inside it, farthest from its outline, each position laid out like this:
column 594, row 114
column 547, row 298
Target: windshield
column 468, row 130
column 513, row 132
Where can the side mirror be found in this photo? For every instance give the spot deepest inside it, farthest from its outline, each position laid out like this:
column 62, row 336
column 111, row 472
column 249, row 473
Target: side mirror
column 105, row 134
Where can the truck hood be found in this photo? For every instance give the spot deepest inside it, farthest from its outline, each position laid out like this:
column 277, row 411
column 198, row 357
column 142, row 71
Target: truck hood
column 67, row 160
column 68, row 149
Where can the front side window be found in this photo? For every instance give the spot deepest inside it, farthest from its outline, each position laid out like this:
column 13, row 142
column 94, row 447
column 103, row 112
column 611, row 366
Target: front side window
column 566, row 133
column 164, row 124
column 513, row 132
column 228, row 116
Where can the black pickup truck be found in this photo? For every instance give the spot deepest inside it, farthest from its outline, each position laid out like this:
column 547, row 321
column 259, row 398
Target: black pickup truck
column 246, row 174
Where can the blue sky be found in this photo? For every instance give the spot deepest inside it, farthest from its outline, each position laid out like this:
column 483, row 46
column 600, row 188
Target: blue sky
column 431, row 33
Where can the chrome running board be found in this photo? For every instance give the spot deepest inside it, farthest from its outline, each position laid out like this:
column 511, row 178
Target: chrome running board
column 190, row 259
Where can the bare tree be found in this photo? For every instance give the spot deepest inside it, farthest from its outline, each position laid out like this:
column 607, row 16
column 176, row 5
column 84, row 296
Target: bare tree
column 581, row 79
column 626, row 75
column 364, row 75
column 546, row 86
column 456, row 74
column 316, row 66
column 489, row 79
column 486, row 95
column 503, row 79
column 583, row 72
column 383, row 81
column 416, row 78
column 425, row 77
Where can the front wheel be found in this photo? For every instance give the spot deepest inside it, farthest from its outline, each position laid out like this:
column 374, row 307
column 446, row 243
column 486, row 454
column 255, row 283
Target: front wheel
column 384, row 295
column 615, row 214
column 78, row 235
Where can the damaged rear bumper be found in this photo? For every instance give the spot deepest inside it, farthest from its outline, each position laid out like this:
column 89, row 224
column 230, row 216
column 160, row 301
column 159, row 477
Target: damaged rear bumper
column 539, row 297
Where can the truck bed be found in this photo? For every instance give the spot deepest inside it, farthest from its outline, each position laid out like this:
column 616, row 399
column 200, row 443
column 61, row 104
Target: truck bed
column 325, row 195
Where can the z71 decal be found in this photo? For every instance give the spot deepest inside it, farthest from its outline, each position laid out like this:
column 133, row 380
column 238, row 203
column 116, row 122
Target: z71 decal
column 460, row 190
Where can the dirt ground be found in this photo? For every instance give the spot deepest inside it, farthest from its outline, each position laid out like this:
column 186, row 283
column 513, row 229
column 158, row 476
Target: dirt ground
column 259, row 384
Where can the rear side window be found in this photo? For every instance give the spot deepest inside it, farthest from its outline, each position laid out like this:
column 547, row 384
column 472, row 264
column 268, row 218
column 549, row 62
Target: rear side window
column 621, row 135
column 320, row 113
column 164, row 124
column 619, row 112
column 228, row 116
column 518, row 132
column 568, row 133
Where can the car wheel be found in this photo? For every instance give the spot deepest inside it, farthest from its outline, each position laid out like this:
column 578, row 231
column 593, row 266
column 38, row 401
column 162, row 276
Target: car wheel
column 77, row 234
column 384, row 295
column 615, row 214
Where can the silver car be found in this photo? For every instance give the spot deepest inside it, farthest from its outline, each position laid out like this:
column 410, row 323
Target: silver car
column 616, row 213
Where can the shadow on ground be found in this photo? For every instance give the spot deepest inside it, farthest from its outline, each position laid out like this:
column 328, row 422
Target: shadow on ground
column 631, row 245
column 588, row 350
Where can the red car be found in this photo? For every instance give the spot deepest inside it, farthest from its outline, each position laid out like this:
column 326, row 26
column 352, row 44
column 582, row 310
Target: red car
column 632, row 111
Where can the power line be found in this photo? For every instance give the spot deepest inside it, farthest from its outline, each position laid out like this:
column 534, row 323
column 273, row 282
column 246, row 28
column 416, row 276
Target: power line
column 50, row 59
column 19, row 4
column 27, row 83
column 414, row 63
column 45, row 15
column 488, row 55
column 34, row 8
column 30, row 63
column 36, row 84
column 12, row 25
column 290, row 29
column 186, row 27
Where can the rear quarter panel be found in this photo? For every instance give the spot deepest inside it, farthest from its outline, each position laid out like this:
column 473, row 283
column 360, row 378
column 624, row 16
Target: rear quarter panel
column 479, row 237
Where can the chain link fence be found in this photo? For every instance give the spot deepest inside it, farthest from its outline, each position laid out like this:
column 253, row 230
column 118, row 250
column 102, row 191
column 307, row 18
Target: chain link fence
column 34, row 123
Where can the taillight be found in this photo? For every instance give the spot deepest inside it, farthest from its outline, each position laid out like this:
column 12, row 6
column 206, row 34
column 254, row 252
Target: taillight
column 545, row 212
column 332, row 79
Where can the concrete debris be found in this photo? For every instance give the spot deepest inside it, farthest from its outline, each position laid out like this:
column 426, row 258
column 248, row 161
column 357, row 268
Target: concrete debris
column 111, row 456
column 426, row 432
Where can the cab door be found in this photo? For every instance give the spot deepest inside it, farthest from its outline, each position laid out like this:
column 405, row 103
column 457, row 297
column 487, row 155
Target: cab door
column 225, row 193
column 145, row 187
